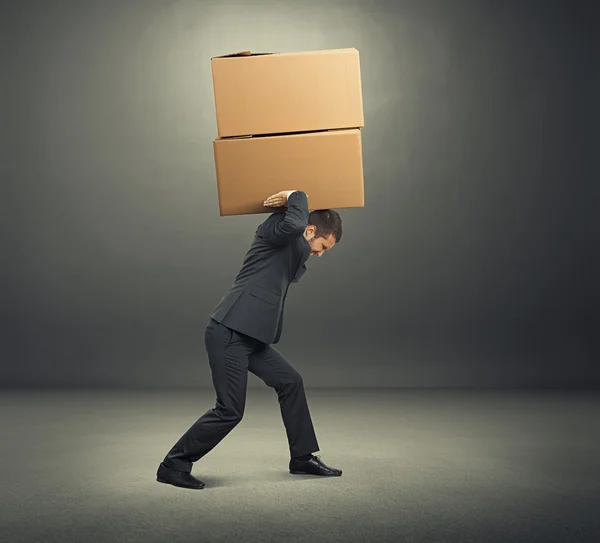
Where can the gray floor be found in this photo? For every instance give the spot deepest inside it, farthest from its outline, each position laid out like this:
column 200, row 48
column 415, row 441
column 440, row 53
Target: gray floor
column 419, row 465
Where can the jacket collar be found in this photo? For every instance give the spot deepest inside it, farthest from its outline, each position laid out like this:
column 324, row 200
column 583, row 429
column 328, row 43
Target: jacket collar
column 305, row 249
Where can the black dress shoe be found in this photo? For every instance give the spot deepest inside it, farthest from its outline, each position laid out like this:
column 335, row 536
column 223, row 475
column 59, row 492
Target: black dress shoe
column 313, row 466
column 177, row 478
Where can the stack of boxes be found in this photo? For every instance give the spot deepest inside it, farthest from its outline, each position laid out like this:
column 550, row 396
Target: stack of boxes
column 289, row 121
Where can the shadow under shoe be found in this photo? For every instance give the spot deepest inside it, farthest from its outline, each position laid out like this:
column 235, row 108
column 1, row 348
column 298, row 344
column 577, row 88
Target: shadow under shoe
column 177, row 478
column 313, row 466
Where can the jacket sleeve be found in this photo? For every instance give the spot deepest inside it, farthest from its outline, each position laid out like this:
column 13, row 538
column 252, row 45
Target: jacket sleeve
column 294, row 222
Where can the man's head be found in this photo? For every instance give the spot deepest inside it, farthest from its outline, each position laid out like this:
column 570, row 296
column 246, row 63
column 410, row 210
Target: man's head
column 324, row 230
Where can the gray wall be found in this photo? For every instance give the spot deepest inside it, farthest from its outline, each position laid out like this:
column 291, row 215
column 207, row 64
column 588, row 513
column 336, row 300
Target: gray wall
column 470, row 265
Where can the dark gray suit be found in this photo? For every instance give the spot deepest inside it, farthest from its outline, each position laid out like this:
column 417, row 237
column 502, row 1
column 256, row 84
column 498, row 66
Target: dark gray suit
column 239, row 334
column 254, row 304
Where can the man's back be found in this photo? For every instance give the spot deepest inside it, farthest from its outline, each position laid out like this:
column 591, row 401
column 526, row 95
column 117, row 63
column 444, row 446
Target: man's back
column 255, row 302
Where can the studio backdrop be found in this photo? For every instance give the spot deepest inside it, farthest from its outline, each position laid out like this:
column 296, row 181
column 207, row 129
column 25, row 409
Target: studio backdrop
column 469, row 264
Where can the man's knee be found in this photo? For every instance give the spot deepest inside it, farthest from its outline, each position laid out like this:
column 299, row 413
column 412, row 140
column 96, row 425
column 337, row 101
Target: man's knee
column 293, row 380
column 230, row 415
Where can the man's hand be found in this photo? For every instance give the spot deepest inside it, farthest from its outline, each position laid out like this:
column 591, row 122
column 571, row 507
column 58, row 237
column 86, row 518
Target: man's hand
column 279, row 199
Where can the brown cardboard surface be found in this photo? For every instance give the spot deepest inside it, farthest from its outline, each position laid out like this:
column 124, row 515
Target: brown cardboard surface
column 287, row 92
column 326, row 165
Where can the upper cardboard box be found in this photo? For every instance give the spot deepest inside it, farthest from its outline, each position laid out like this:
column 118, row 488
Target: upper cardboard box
column 279, row 93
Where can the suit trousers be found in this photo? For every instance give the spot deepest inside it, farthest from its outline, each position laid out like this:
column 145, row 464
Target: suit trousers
column 231, row 355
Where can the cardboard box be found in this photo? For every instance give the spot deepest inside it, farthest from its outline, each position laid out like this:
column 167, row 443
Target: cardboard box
column 287, row 92
column 326, row 165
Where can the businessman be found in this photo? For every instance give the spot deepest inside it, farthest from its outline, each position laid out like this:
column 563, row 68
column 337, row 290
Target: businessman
column 240, row 333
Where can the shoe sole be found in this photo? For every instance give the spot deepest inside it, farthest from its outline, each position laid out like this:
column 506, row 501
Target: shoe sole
column 295, row 472
column 179, row 486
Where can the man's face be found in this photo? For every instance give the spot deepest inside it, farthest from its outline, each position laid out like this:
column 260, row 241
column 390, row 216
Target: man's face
column 318, row 245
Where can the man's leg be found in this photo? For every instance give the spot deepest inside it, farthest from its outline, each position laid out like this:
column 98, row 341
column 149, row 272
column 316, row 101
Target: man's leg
column 270, row 366
column 228, row 361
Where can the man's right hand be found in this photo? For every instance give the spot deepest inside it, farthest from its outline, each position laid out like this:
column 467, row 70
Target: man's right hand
column 278, row 200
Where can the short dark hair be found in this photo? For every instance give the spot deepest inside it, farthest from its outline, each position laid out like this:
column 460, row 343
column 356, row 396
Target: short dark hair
column 327, row 221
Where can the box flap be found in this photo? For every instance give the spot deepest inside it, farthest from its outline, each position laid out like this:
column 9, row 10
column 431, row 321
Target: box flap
column 321, row 51
column 243, row 54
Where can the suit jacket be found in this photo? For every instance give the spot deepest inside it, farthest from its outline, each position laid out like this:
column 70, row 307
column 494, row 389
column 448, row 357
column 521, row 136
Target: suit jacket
column 255, row 302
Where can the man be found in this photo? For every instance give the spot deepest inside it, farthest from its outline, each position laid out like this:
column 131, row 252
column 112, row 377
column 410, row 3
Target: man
column 239, row 334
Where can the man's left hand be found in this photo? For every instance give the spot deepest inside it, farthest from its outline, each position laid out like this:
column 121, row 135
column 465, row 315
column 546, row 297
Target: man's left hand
column 278, row 200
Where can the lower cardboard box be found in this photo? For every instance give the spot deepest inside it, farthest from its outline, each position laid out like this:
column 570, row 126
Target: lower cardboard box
column 327, row 165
